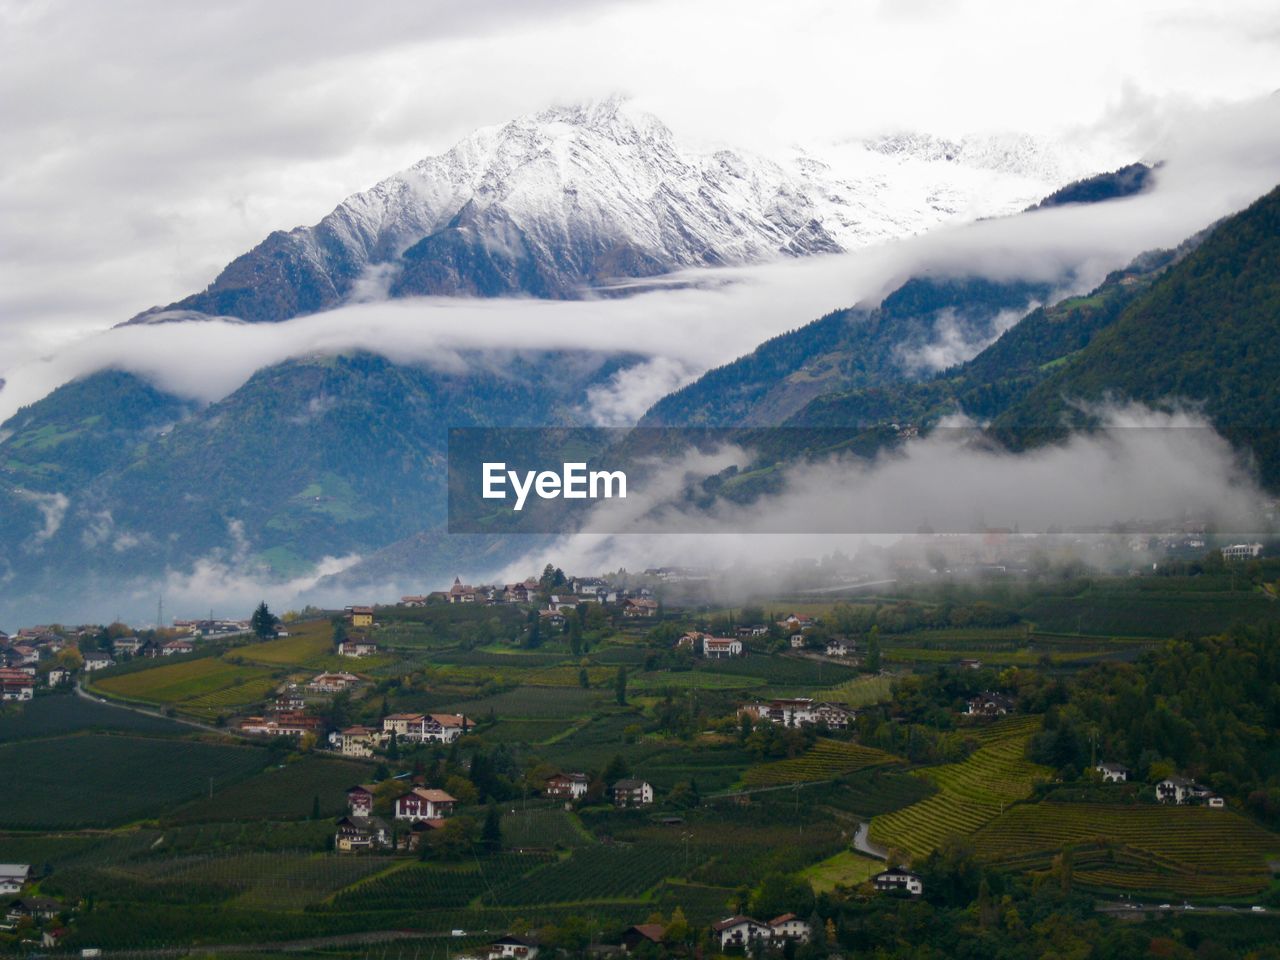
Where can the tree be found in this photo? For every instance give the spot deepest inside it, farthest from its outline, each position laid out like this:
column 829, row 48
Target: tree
column 620, row 686
column 315, row 807
column 616, row 770
column 873, row 650
column 264, row 622
column 678, row 929
column 584, row 679
column 491, row 832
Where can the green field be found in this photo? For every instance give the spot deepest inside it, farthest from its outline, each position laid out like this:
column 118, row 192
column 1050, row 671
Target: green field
column 130, row 777
column 845, row 869
column 970, row 793
column 1181, row 851
column 306, row 643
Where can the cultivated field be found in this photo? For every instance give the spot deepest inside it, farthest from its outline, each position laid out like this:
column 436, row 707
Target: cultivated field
column 130, row 777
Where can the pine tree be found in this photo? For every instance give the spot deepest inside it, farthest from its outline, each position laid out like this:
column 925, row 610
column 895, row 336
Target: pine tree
column 264, row 622
column 620, row 686
column 315, row 807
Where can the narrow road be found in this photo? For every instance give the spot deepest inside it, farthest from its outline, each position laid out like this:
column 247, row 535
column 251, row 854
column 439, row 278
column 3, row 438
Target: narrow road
column 290, row 946
column 862, row 843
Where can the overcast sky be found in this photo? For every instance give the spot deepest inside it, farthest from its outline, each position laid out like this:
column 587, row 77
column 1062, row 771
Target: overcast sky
column 147, row 142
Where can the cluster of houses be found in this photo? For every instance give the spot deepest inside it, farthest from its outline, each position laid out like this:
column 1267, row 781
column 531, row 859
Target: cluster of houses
column 423, row 809
column 361, row 741
column 638, row 602
column 33, row 910
column 20, row 662
column 745, row 932
column 1179, row 791
column 571, row 787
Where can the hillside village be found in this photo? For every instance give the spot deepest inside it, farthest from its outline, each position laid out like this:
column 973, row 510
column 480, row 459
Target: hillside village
column 567, row 719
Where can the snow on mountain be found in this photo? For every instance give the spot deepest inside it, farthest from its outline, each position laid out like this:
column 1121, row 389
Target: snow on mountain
column 558, row 201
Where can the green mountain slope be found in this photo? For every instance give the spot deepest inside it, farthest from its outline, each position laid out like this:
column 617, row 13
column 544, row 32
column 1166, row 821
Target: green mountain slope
column 1204, row 335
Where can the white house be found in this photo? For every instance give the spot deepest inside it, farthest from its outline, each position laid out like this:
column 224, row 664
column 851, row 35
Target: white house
column 97, row 661
column 423, row 803
column 717, row 648
column 797, row 641
column 840, row 648
column 1242, row 551
column 13, row 876
column 903, row 881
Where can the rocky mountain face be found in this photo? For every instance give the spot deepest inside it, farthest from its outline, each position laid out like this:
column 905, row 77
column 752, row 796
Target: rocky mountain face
column 567, row 199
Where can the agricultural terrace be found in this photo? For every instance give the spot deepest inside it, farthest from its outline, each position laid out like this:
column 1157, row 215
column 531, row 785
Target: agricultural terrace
column 970, row 793
column 1183, row 851
column 826, row 760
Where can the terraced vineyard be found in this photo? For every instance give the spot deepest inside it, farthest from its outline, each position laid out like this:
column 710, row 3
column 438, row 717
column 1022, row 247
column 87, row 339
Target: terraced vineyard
column 1183, row 851
column 826, row 760
column 970, row 793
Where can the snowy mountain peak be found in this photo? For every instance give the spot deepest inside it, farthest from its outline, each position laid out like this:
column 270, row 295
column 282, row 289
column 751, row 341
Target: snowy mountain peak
column 555, row 202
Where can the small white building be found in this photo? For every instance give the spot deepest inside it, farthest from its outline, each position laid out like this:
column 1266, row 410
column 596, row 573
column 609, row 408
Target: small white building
column 1113, row 772
column 718, row 648
column 632, row 793
column 1242, row 551
column 512, row 947
column 13, row 876
column 790, row 927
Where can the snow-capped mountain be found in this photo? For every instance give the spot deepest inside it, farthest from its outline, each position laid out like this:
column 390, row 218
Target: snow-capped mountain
column 555, row 202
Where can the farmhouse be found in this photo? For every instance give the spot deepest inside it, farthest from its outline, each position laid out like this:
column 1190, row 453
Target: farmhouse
column 361, row 833
column 97, row 661
column 1113, row 772
column 34, row 908
column 740, row 932
column 797, row 641
column 566, row 786
column 296, row 724
column 512, row 947
column 898, row 881
column 632, row 793
column 16, row 685
column 357, row 648
column 58, row 676
column 360, row 800
column 989, row 704
column 361, row 616
column 790, row 927
column 333, row 682
column 126, row 646
column 719, row 648
column 358, row 741
column 640, row 934
column 1180, row 790
column 13, row 876
column 638, row 607
column 416, row 600
column 422, row 803
column 176, row 647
